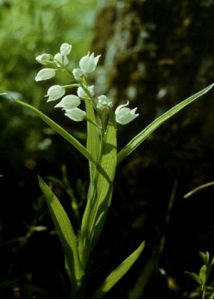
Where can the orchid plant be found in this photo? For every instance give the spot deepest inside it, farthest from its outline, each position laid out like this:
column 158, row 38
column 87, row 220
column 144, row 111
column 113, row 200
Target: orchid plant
column 102, row 154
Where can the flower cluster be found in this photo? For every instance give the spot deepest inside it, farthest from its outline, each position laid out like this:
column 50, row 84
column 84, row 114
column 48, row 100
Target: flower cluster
column 69, row 103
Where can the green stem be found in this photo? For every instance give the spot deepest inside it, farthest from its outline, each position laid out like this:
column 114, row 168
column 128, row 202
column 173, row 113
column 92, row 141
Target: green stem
column 84, row 86
column 204, row 291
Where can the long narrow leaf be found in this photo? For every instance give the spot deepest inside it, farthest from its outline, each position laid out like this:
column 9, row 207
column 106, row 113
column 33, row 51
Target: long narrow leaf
column 93, row 141
column 145, row 133
column 119, row 272
column 57, row 128
column 104, row 185
column 100, row 195
column 66, row 234
column 94, row 148
column 61, row 131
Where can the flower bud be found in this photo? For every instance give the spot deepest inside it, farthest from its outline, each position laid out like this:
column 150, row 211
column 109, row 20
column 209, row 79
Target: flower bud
column 75, row 114
column 55, row 92
column 44, row 58
column 88, row 63
column 61, row 60
column 82, row 94
column 103, row 102
column 45, row 74
column 69, row 102
column 77, row 73
column 65, row 49
column 125, row 115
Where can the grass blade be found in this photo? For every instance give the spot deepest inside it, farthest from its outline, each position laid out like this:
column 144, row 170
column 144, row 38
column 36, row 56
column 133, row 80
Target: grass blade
column 145, row 133
column 57, row 128
column 119, row 272
column 66, row 234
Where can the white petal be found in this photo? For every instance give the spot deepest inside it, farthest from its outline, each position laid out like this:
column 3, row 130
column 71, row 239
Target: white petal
column 75, row 114
column 82, row 94
column 65, row 49
column 61, row 60
column 125, row 115
column 55, row 92
column 103, row 102
column 120, row 106
column 45, row 74
column 88, row 63
column 44, row 58
column 69, row 102
column 77, row 73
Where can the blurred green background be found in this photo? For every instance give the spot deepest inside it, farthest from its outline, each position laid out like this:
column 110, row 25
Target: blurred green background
column 28, row 28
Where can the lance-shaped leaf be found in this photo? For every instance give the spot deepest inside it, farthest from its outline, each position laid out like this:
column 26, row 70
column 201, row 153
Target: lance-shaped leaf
column 93, row 140
column 61, row 131
column 119, row 272
column 100, row 195
column 67, row 236
column 57, row 128
column 195, row 277
column 203, row 274
column 145, row 133
column 93, row 147
column 205, row 257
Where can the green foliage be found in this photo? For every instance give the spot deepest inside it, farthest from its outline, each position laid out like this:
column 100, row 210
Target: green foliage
column 61, row 131
column 203, row 277
column 100, row 193
column 119, row 272
column 66, row 235
column 76, row 202
column 145, row 133
column 29, row 27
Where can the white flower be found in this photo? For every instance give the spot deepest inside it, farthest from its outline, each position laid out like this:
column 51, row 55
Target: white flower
column 103, row 102
column 125, row 115
column 82, row 94
column 45, row 74
column 75, row 114
column 69, row 102
column 65, row 49
column 88, row 63
column 61, row 60
column 44, row 58
column 55, row 92
column 77, row 73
